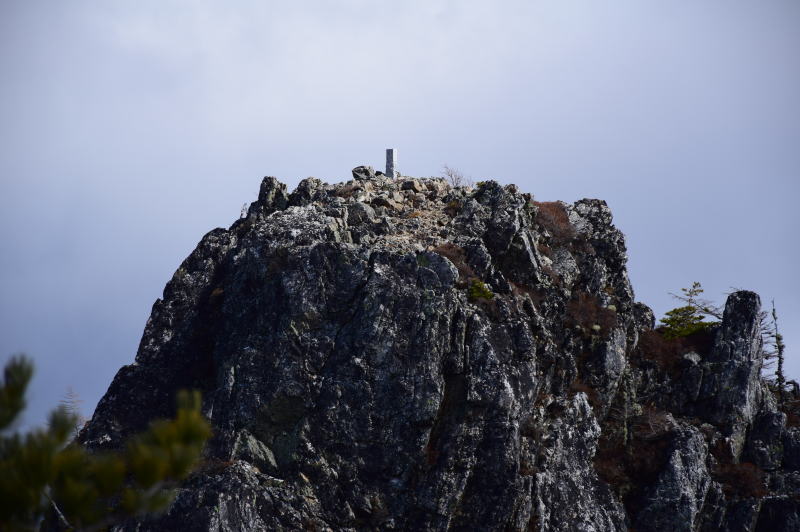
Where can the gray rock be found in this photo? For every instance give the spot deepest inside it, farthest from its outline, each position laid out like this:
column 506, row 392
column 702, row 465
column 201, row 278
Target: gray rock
column 364, row 172
column 569, row 496
column 431, row 368
column 306, row 192
column 253, row 451
column 765, row 444
column 271, row 197
column 383, row 201
column 360, row 213
column 732, row 390
column 412, row 185
column 675, row 501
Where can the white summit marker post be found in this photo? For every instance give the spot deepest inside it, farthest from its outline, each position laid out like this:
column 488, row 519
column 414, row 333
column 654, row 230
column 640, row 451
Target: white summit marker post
column 391, row 162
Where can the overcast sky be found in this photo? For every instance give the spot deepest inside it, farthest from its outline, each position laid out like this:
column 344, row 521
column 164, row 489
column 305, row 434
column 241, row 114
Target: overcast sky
column 130, row 129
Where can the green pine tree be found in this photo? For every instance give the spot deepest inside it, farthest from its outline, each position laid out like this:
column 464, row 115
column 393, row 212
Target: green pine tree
column 690, row 318
column 43, row 473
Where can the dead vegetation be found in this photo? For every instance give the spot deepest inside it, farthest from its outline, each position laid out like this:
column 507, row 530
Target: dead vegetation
column 456, row 178
column 578, row 386
column 552, row 215
column 585, row 311
column 743, row 480
column 521, row 290
column 632, row 452
column 458, row 257
column 667, row 353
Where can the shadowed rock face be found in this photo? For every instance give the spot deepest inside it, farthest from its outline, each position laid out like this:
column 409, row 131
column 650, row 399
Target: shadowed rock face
column 401, row 354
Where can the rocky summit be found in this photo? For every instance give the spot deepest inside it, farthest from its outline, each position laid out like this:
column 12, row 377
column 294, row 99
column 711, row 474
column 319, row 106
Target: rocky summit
column 401, row 354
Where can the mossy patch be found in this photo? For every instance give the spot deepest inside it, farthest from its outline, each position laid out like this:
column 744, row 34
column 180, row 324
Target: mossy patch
column 478, row 290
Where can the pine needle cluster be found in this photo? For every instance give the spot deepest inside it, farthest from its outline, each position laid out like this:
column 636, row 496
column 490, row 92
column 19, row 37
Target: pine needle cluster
column 45, row 475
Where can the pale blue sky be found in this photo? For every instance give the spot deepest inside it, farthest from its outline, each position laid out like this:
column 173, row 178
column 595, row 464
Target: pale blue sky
column 129, row 129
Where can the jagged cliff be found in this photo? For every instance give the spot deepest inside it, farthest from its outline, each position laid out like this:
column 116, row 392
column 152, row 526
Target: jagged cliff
column 401, row 354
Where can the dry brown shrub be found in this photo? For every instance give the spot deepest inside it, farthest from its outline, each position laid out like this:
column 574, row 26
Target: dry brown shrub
column 741, row 480
column 652, row 424
column 585, row 310
column 627, row 466
column 647, row 459
column 453, row 208
column 611, row 469
column 700, row 342
column 545, row 250
column 455, row 177
column 211, row 466
column 667, row 353
column 217, row 292
column 537, row 296
column 553, row 216
column 526, row 468
column 347, row 190
column 458, row 257
column 591, row 394
column 791, row 407
column 489, row 306
column 552, row 274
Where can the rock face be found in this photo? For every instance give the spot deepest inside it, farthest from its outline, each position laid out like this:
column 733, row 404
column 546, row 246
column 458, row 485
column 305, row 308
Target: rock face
column 400, row 354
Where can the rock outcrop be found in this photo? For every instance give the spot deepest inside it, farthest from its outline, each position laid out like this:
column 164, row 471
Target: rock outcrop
column 401, row 354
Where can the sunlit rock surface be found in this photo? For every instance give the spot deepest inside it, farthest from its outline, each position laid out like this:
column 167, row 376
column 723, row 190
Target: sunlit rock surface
column 400, row 354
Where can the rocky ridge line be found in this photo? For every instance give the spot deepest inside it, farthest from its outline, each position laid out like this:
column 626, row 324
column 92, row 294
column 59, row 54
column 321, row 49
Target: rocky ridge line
column 401, row 354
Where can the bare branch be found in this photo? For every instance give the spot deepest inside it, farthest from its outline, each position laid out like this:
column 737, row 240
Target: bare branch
column 455, row 177
column 691, row 296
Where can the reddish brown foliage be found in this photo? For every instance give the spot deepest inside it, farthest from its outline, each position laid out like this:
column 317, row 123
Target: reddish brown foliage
column 664, row 352
column 651, row 424
column 591, row 394
column 545, row 250
column 458, row 257
column 526, row 469
column 585, row 310
column 552, row 274
column 668, row 352
column 553, row 216
column 792, row 411
column 537, row 296
column 630, row 465
column 211, row 466
column 791, row 402
column 741, row 480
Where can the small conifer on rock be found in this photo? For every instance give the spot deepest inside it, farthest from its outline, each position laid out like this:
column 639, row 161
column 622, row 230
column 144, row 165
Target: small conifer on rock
column 690, row 318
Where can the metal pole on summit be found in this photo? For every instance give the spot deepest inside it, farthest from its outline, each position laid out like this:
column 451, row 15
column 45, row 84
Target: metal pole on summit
column 391, row 163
